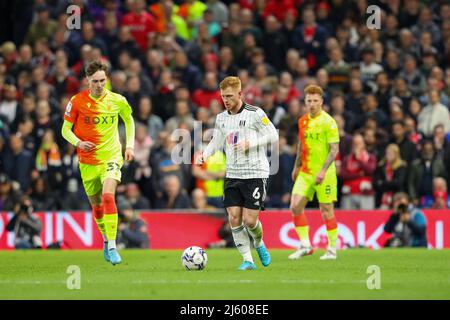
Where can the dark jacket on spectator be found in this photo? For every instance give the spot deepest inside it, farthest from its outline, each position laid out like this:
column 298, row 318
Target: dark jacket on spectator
column 182, row 201
column 387, row 187
column 421, row 184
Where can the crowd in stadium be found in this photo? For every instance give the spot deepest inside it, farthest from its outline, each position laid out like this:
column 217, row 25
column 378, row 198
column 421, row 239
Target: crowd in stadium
column 388, row 89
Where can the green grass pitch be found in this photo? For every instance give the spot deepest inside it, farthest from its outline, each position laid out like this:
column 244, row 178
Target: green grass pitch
column 405, row 274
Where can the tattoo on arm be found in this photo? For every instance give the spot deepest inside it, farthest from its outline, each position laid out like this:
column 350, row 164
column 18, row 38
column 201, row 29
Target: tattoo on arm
column 332, row 153
column 298, row 159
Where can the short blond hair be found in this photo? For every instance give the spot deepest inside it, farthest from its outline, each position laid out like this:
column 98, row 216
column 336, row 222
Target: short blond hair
column 233, row 82
column 313, row 89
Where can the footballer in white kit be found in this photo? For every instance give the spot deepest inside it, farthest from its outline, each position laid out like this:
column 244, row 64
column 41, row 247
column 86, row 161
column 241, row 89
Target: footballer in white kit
column 244, row 131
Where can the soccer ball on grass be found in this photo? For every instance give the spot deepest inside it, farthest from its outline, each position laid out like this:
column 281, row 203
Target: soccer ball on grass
column 194, row 258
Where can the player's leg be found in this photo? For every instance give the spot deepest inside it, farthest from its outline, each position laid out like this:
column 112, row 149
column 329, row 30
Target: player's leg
column 240, row 236
column 327, row 195
column 254, row 192
column 90, row 176
column 255, row 228
column 111, row 217
column 327, row 211
column 302, row 192
column 233, row 202
column 97, row 210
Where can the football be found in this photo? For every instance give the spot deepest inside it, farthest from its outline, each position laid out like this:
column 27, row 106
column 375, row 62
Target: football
column 194, row 258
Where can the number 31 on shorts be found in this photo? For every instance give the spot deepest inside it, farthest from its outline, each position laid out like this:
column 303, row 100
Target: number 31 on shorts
column 112, row 166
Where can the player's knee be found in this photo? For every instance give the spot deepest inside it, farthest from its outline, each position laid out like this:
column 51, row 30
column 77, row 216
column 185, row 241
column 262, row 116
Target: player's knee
column 234, row 221
column 250, row 221
column 296, row 208
column 109, row 203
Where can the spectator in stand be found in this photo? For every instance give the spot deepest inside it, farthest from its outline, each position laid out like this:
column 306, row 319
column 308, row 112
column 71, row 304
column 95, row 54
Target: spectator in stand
column 182, row 115
column 355, row 97
column 433, row 114
column 389, row 177
column 145, row 116
column 440, row 142
column 164, row 99
column 141, row 23
column 163, row 165
column 422, row 172
column 426, row 24
column 407, row 225
column 273, row 111
column 408, row 150
column 142, row 150
column 186, row 72
column 134, row 198
column 134, row 92
column 210, row 175
column 370, row 109
column 192, row 12
column 441, row 198
column 9, row 194
column 356, row 174
column 9, row 104
column 210, row 91
column 44, row 120
column 274, row 43
column 133, row 231
column 227, row 66
column 173, row 196
column 251, row 93
column 338, row 70
column 200, row 201
column 72, row 200
column 309, row 38
column 280, row 184
column 18, row 162
column 124, row 43
column 412, row 75
column 43, row 27
column 25, row 225
column 48, row 161
column 63, row 82
column 286, row 81
column 42, row 197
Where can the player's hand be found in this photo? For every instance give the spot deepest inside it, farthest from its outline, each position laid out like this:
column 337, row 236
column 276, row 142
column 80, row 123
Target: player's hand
column 129, row 154
column 199, row 160
column 320, row 176
column 86, row 146
column 242, row 146
column 295, row 173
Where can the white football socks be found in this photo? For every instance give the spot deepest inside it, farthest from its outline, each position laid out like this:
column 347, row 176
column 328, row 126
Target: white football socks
column 111, row 244
column 256, row 233
column 242, row 242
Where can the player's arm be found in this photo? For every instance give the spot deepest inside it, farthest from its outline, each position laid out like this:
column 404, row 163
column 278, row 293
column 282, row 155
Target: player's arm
column 332, row 133
column 332, row 153
column 67, row 133
column 215, row 144
column 298, row 160
column 126, row 115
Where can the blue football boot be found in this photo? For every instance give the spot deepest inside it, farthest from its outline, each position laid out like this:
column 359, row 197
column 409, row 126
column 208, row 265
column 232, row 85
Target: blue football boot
column 247, row 265
column 105, row 251
column 264, row 255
